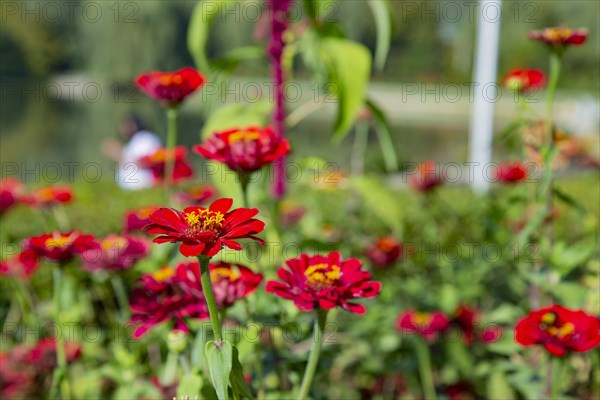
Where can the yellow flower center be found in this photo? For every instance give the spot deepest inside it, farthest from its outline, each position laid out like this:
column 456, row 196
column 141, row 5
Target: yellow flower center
column 204, row 220
column 422, row 319
column 58, row 242
column 555, row 34
column 46, row 194
column 322, row 275
column 117, row 243
column 219, row 274
column 163, row 274
column 549, row 325
column 514, row 83
column 245, row 136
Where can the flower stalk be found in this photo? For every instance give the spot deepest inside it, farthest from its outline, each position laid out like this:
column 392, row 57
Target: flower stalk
column 313, row 359
column 210, row 296
column 424, row 358
column 60, row 381
column 172, row 114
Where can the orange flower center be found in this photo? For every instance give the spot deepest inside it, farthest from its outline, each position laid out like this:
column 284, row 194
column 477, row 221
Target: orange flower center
column 169, row 79
column 386, row 244
column 163, row 274
column 243, row 136
column 320, row 276
column 549, row 324
column 118, row 243
column 145, row 212
column 59, row 242
column 204, row 220
column 557, row 34
column 422, row 319
column 46, row 194
column 219, row 274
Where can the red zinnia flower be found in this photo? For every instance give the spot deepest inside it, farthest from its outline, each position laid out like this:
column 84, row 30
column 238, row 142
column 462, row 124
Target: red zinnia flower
column 384, row 252
column 161, row 298
column 197, row 195
column 115, row 253
column 324, row 282
column 467, row 319
column 136, row 220
column 512, row 172
column 428, row 325
column 43, row 354
column 170, row 88
column 559, row 330
column 10, row 194
column 49, row 196
column 156, row 162
column 524, row 80
column 60, row 247
column 244, row 150
column 290, row 213
column 21, row 265
column 230, row 283
column 426, row 177
column 205, row 230
column 560, row 37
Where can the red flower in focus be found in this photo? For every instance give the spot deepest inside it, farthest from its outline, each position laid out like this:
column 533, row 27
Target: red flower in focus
column 324, row 282
column 428, row 325
column 559, row 330
column 10, row 194
column 21, row 265
column 467, row 320
column 160, row 299
column 156, row 162
column 230, row 283
column 136, row 220
column 384, row 252
column 524, row 80
column 205, row 230
column 49, row 196
column 512, row 173
column 244, row 150
column 114, row 253
column 426, row 177
column 60, row 247
column 560, row 37
column 170, row 88
column 197, row 195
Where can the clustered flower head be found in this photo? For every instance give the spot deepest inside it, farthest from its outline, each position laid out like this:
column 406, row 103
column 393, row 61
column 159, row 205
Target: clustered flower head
column 205, row 231
column 511, row 173
column 11, row 192
column 244, row 149
column 426, row 177
column 559, row 329
column 21, row 265
column 157, row 161
column 49, row 196
column 426, row 324
column 524, row 80
column 59, row 247
column 560, row 37
column 384, row 252
column 115, row 253
column 136, row 220
column 170, row 88
column 324, row 282
column 197, row 195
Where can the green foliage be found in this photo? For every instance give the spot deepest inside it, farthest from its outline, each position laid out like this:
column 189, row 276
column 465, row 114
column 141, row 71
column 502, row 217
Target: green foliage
column 219, row 359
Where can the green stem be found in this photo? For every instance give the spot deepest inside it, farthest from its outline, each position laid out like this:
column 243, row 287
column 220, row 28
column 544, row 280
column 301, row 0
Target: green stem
column 359, row 149
column 171, row 143
column 122, row 298
column 313, row 359
column 170, row 372
column 424, row 357
column 210, row 296
column 59, row 379
column 555, row 376
column 244, row 178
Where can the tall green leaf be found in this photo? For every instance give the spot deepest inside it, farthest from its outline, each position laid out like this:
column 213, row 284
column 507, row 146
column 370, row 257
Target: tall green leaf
column 218, row 357
column 383, row 24
column 349, row 67
column 236, row 378
column 384, row 134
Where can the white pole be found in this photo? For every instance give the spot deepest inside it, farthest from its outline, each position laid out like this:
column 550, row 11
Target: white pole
column 485, row 93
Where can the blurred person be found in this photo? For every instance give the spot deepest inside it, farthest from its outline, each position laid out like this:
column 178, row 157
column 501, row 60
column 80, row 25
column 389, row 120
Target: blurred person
column 138, row 143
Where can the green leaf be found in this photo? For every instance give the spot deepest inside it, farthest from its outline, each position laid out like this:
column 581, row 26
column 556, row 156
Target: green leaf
column 568, row 200
column 198, row 30
column 449, row 298
column 320, row 10
column 219, row 355
column 381, row 202
column 236, row 378
column 384, row 134
column 383, row 24
column 498, row 387
column 570, row 294
column 564, row 258
column 189, row 386
column 349, row 67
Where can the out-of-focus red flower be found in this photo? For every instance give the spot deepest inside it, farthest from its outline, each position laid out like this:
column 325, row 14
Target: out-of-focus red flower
column 467, row 320
column 170, row 88
column 384, row 252
column 291, row 213
column 60, row 247
column 511, row 172
column 205, row 230
column 136, row 220
column 167, row 391
column 49, row 196
column 426, row 177
column 11, row 192
column 427, row 325
column 524, row 80
column 17, row 381
column 43, row 354
column 244, row 149
column 156, row 163
column 560, row 37
column 230, row 282
column 559, row 330
column 461, row 391
column 324, row 282
column 115, row 252
column 21, row 265
column 197, row 195
column 161, row 298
